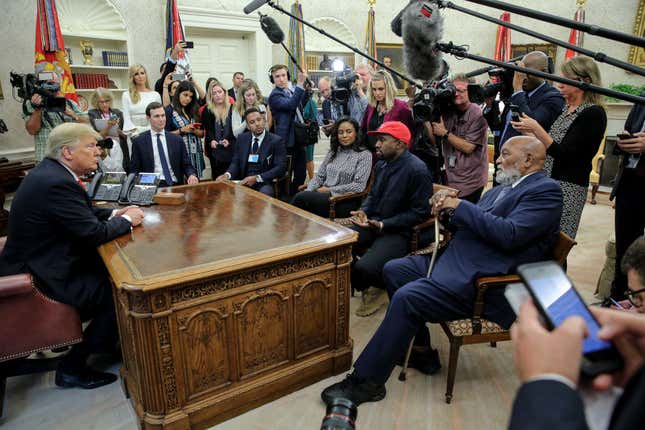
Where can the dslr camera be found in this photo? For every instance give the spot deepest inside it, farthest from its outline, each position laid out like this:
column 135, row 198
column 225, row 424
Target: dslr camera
column 26, row 85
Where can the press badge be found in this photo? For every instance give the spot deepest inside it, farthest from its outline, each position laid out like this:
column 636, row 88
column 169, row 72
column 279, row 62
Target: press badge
column 452, row 161
column 254, row 158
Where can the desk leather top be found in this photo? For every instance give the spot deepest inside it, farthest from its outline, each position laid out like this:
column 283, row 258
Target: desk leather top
column 221, row 227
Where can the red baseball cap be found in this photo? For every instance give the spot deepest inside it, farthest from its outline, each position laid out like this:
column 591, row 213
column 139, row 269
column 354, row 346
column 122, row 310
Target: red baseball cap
column 396, row 129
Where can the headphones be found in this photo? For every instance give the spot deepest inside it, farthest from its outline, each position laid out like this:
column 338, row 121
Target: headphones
column 278, row 67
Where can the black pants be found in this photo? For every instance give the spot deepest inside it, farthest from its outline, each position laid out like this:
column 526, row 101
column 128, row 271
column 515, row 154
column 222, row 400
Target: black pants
column 318, row 203
column 375, row 249
column 474, row 196
column 299, row 167
column 629, row 220
column 218, row 167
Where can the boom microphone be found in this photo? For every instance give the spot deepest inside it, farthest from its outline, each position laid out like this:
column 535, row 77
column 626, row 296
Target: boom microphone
column 422, row 28
column 271, row 29
column 395, row 25
column 255, row 4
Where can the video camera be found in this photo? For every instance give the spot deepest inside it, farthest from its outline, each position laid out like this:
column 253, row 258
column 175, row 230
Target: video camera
column 342, row 89
column 433, row 100
column 26, row 85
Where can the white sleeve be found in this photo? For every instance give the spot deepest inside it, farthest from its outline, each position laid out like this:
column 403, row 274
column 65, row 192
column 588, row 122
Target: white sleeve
column 126, row 104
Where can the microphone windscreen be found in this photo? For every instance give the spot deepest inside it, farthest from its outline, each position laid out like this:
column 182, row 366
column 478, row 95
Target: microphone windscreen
column 271, row 29
column 422, row 28
column 255, row 4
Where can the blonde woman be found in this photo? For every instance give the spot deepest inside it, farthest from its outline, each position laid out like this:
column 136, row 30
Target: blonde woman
column 108, row 121
column 219, row 142
column 249, row 96
column 382, row 105
column 135, row 100
column 573, row 139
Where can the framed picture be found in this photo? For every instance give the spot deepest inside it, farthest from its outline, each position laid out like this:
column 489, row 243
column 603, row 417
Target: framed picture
column 520, row 50
column 69, row 56
column 637, row 54
column 392, row 55
column 1, row 93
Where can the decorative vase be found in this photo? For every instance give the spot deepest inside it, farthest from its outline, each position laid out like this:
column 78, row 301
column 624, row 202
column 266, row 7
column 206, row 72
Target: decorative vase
column 87, row 49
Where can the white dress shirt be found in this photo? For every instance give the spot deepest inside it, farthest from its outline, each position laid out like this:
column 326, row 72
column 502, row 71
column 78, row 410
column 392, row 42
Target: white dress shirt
column 155, row 153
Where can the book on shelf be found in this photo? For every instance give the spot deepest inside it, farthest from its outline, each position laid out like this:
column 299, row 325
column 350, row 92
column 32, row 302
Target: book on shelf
column 85, row 81
column 115, row 58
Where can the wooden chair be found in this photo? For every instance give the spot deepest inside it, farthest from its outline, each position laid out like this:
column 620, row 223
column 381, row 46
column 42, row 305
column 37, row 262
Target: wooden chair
column 31, row 323
column 283, row 183
column 595, row 177
column 476, row 329
column 351, row 196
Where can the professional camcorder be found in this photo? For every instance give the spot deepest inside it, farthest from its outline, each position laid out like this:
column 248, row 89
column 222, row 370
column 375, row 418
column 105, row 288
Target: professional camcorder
column 343, row 86
column 433, row 100
column 26, row 85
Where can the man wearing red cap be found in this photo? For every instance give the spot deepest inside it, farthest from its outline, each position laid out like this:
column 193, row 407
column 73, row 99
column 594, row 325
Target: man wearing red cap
column 398, row 201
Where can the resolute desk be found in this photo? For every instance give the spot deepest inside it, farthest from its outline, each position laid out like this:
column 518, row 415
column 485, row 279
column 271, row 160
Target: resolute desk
column 226, row 302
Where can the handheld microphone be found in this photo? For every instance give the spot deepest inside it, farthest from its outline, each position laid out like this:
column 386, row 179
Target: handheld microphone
column 271, row 29
column 255, row 4
column 422, row 28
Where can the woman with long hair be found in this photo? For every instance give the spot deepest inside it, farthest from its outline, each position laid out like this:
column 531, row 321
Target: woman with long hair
column 180, row 120
column 135, row 100
column 382, row 105
column 345, row 169
column 249, row 96
column 108, row 121
column 573, row 139
column 216, row 118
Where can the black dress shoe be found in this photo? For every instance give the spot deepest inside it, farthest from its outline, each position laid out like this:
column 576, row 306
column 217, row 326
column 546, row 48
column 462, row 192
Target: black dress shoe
column 85, row 378
column 356, row 389
column 426, row 362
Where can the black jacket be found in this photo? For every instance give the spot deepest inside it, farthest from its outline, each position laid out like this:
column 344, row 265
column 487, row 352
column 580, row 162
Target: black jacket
column 143, row 158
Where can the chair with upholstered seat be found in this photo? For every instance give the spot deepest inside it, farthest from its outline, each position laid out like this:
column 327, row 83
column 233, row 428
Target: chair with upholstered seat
column 477, row 329
column 31, row 323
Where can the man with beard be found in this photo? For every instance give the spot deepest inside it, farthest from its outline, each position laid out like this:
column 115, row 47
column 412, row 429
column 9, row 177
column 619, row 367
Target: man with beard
column 513, row 224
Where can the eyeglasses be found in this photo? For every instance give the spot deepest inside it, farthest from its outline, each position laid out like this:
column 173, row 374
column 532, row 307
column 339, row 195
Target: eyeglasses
column 635, row 298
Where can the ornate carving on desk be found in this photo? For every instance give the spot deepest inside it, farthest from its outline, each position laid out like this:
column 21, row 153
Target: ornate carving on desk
column 262, row 323
column 203, row 334
column 341, row 284
column 345, row 255
column 139, row 302
column 159, row 302
column 311, row 311
column 167, row 363
column 194, row 291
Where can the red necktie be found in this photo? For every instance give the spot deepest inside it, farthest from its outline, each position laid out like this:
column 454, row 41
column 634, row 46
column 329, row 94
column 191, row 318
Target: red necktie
column 81, row 183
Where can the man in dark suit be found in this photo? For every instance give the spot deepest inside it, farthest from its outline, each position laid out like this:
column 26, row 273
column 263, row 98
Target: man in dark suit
column 53, row 234
column 548, row 364
column 259, row 157
column 629, row 191
column 238, row 79
column 513, row 224
column 284, row 103
column 167, row 155
column 533, row 96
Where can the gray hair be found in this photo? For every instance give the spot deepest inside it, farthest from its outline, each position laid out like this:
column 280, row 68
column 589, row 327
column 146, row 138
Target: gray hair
column 67, row 134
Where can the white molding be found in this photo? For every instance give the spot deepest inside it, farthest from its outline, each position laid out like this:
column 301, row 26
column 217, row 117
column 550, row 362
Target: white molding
column 91, row 18
column 315, row 41
column 16, row 153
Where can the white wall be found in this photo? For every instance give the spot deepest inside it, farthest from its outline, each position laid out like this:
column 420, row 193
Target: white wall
column 145, row 21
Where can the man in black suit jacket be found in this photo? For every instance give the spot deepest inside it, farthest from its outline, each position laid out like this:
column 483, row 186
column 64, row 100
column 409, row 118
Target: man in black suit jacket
column 533, row 96
column 173, row 161
column 238, row 79
column 257, row 164
column 53, row 234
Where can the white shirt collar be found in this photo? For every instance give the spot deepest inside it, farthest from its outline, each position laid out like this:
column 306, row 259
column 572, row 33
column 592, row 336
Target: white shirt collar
column 68, row 169
column 516, row 183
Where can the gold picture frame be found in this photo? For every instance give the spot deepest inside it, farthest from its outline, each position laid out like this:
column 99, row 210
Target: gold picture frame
column 395, row 52
column 637, row 54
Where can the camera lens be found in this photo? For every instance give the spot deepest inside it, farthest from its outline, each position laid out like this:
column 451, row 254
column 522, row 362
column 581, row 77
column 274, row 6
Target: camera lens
column 341, row 415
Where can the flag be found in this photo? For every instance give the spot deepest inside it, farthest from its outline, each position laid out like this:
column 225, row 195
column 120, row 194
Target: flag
column 503, row 43
column 50, row 54
column 174, row 34
column 370, row 35
column 576, row 37
column 296, row 39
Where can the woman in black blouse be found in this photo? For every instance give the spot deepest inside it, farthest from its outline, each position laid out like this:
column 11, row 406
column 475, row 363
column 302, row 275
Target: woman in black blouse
column 573, row 139
column 219, row 142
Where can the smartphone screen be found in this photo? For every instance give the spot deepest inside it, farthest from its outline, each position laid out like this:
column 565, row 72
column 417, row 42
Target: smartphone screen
column 515, row 113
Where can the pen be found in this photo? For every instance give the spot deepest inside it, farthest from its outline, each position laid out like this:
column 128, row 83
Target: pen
column 618, row 305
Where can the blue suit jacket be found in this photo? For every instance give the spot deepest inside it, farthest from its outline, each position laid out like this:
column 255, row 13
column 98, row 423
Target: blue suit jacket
column 273, row 156
column 544, row 106
column 494, row 240
column 143, row 158
column 283, row 108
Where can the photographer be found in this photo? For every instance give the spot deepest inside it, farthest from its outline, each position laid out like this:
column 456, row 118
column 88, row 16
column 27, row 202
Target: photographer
column 108, row 121
column 464, row 134
column 40, row 121
column 346, row 98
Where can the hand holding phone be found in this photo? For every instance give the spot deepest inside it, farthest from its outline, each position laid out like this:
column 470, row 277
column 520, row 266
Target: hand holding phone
column 178, row 76
column 515, row 113
column 197, row 125
column 624, row 136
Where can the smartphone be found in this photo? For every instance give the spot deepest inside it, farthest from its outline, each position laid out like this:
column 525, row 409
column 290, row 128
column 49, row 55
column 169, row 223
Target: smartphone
column 515, row 113
column 623, row 136
column 178, row 76
column 197, row 125
column 189, row 45
column 557, row 299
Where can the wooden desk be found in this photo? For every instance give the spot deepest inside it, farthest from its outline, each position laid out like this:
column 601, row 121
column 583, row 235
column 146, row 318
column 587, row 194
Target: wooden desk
column 226, row 302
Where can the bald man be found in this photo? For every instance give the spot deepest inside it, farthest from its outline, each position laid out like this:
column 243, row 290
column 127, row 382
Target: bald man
column 512, row 224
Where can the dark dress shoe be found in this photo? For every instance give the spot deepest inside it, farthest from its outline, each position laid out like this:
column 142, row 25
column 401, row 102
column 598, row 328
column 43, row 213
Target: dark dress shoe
column 426, row 362
column 84, row 378
column 358, row 390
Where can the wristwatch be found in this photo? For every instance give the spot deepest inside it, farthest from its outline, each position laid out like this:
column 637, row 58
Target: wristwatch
column 445, row 136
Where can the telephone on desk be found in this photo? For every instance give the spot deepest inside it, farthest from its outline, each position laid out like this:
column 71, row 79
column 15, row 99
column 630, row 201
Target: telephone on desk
column 136, row 189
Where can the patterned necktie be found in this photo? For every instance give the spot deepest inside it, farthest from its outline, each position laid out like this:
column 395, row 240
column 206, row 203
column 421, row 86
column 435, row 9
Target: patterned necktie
column 254, row 148
column 164, row 162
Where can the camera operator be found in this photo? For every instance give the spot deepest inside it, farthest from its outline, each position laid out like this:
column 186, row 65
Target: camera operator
column 464, row 135
column 40, row 121
column 346, row 98
column 533, row 96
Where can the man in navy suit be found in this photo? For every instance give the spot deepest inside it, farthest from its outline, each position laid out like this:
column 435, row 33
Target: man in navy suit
column 53, row 234
column 513, row 224
column 284, row 103
column 165, row 155
column 533, row 96
column 259, row 157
